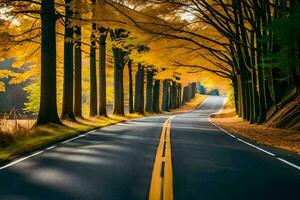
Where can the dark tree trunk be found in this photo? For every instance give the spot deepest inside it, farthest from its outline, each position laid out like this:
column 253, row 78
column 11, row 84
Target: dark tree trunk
column 102, row 72
column 173, row 95
column 235, row 93
column 240, row 96
column 166, row 95
column 245, row 97
column 139, row 90
column 149, row 93
column 78, row 75
column 176, row 96
column 189, row 92
column 156, row 91
column 185, row 94
column 193, row 85
column 179, row 97
column 118, row 82
column 93, row 72
column 260, row 53
column 68, row 104
column 48, row 104
column 130, row 86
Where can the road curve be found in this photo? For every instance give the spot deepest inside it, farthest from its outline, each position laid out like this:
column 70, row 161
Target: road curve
column 210, row 164
column 116, row 162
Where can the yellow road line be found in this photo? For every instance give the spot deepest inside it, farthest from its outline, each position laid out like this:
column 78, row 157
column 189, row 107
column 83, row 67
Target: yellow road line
column 161, row 187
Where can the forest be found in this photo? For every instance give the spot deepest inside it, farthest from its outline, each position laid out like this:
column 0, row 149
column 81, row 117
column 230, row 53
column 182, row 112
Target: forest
column 73, row 59
column 149, row 99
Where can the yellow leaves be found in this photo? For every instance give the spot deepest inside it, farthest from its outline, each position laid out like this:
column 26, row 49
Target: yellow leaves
column 2, row 87
column 6, row 73
column 21, row 77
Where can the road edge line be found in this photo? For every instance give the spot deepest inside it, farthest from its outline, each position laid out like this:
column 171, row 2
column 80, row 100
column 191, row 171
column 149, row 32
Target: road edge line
column 254, row 146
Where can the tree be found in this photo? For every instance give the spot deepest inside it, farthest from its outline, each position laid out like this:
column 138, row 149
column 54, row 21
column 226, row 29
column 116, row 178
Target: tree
column 68, row 104
column 93, row 70
column 120, row 59
column 139, row 90
column 48, row 108
column 156, row 92
column 129, row 64
column 166, row 95
column 102, row 71
column 149, row 92
column 78, row 70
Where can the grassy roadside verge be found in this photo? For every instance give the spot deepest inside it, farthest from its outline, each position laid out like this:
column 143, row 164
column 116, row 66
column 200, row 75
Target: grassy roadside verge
column 16, row 145
column 13, row 146
column 262, row 134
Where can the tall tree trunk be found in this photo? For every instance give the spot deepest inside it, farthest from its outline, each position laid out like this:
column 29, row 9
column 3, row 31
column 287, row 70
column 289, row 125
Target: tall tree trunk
column 156, row 91
column 68, row 104
column 189, row 92
column 262, row 48
column 48, row 102
column 102, row 72
column 235, row 93
column 193, row 86
column 130, row 86
column 245, row 96
column 118, row 82
column 78, row 75
column 179, row 95
column 149, row 93
column 166, row 95
column 185, row 94
column 139, row 90
column 174, row 95
column 93, row 72
column 240, row 96
column 171, row 101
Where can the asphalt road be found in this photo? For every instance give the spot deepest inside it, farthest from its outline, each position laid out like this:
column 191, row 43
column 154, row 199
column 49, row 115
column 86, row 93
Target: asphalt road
column 116, row 162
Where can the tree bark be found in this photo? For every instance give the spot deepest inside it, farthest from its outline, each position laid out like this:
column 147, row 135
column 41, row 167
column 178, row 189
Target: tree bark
column 78, row 75
column 193, row 85
column 173, row 95
column 68, row 104
column 48, row 102
column 93, row 72
column 156, row 91
column 166, row 95
column 149, row 93
column 118, row 82
column 185, row 95
column 130, row 86
column 179, row 95
column 240, row 96
column 235, row 93
column 139, row 90
column 102, row 72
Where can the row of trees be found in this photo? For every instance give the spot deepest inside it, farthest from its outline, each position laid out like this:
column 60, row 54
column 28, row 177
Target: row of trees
column 254, row 43
column 72, row 16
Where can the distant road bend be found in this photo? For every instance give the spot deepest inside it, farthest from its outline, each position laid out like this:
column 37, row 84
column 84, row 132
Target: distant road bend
column 160, row 157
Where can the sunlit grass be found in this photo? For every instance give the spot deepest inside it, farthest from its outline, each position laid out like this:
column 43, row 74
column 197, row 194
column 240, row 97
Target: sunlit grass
column 16, row 144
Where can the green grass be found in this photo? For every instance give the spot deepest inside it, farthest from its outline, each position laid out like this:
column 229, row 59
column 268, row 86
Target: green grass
column 14, row 145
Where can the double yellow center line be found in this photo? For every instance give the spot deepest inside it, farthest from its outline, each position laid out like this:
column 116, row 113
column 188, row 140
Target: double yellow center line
column 161, row 187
